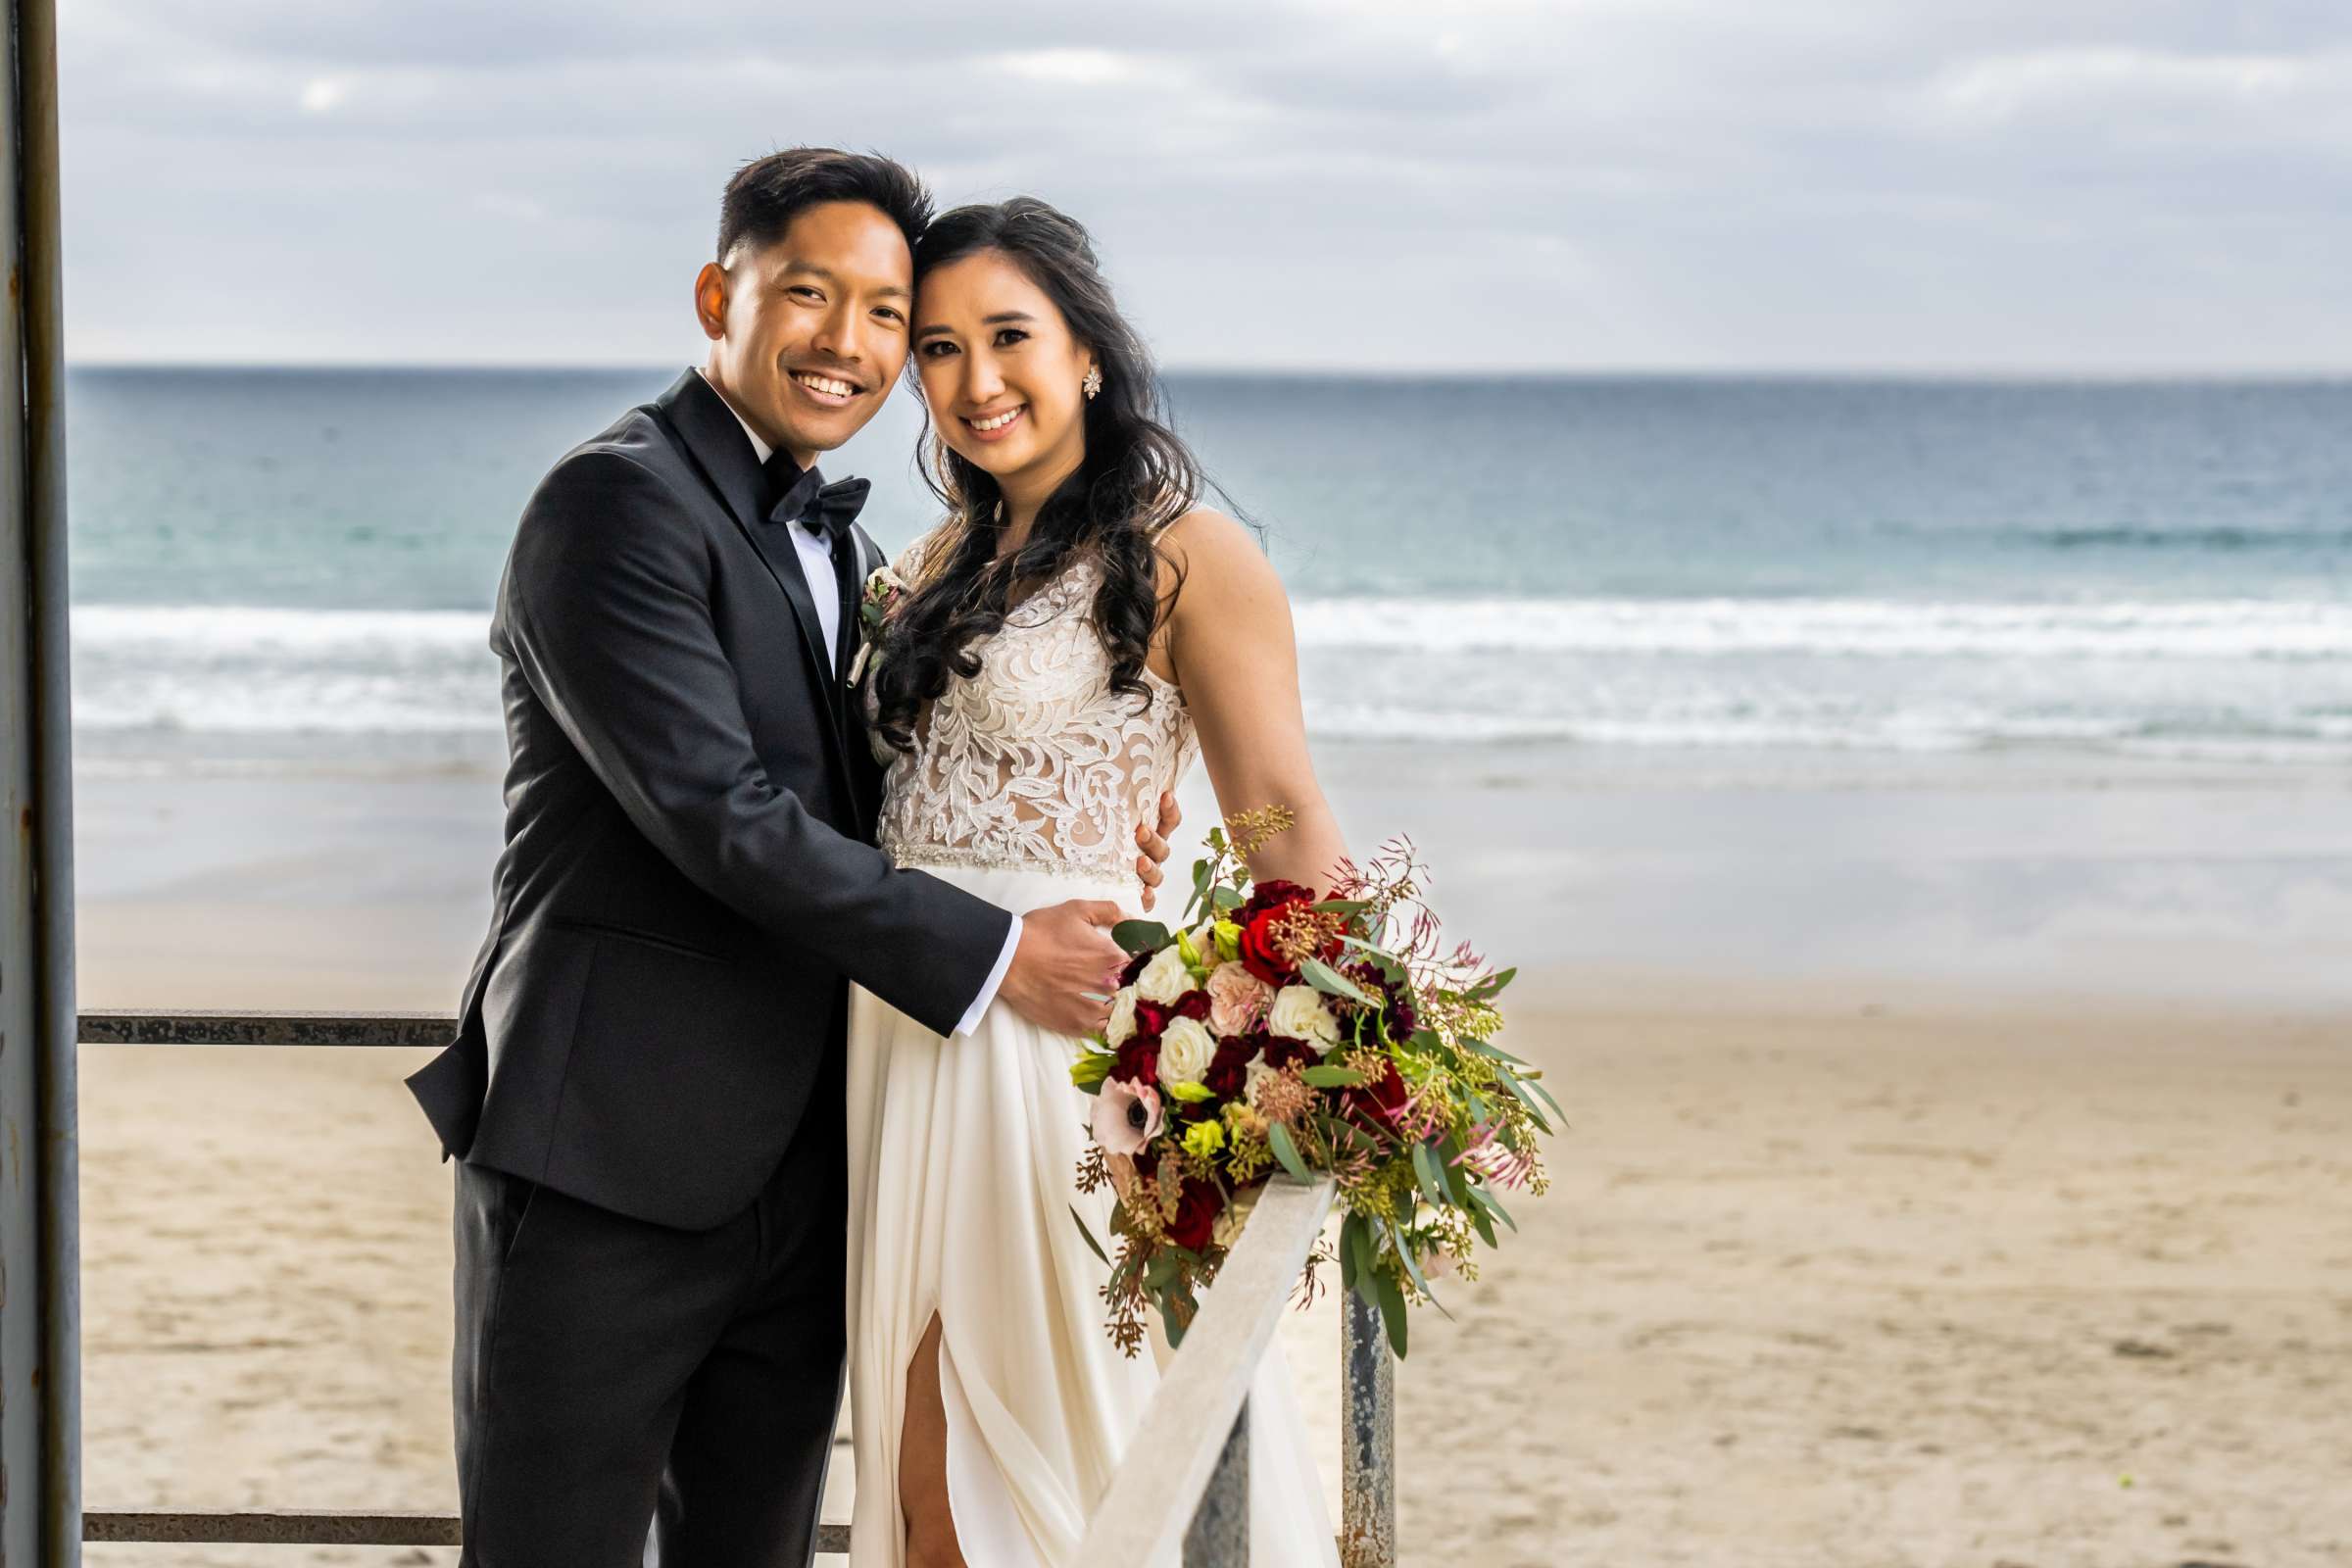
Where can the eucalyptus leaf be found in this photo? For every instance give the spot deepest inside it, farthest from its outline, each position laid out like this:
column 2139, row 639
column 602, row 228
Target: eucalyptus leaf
column 1491, row 987
column 1510, row 1081
column 1225, row 898
column 1496, row 1052
column 1278, row 1137
column 1090, row 1235
column 1324, row 978
column 1325, row 1076
column 1457, row 1180
column 1359, row 1230
column 1485, row 1197
column 1412, row 1266
column 1538, row 1085
column 1391, row 1312
column 1432, row 1185
column 1141, row 936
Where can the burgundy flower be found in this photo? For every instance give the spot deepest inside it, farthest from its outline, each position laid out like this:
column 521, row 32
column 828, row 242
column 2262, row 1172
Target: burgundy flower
column 1192, row 1005
column 1282, row 1053
column 1139, row 1058
column 1135, row 966
column 1377, row 1104
column 1229, row 1069
column 1272, row 894
column 1196, row 1211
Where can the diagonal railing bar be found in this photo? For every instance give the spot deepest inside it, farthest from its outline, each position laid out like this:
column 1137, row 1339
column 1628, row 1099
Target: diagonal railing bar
column 1185, row 1430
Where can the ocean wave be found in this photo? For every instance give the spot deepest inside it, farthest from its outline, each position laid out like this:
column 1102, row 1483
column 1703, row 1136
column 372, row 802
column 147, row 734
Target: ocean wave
column 2231, row 628
column 2216, row 628
column 2222, row 676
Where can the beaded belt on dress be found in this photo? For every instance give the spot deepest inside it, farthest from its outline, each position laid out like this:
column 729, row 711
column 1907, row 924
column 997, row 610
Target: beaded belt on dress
column 1093, row 867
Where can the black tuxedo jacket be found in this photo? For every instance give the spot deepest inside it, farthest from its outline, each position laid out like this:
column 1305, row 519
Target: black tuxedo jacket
column 687, row 874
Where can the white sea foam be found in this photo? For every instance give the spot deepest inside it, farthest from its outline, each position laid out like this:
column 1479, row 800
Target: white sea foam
column 1860, row 627
column 2242, row 677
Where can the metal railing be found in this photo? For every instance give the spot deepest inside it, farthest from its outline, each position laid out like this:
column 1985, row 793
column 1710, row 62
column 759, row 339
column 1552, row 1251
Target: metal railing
column 1186, row 1477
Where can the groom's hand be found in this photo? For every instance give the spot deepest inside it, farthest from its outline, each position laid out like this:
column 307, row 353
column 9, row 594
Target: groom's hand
column 1065, row 967
column 1154, row 845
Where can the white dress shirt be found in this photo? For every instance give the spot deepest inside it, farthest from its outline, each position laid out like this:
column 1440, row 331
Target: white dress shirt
column 824, row 586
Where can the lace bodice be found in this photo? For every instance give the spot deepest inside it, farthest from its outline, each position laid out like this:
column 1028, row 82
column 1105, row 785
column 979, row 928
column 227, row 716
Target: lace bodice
column 1035, row 762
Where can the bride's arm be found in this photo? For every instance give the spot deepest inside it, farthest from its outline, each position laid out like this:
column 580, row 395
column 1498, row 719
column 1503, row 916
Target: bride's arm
column 1230, row 642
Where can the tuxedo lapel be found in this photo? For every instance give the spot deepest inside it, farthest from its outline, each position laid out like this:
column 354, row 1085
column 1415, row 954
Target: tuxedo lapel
column 716, row 443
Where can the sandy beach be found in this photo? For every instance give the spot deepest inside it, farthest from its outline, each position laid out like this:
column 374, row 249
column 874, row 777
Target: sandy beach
column 1984, row 1227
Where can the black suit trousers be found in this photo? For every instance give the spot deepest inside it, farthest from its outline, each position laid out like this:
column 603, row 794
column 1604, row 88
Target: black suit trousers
column 612, row 1373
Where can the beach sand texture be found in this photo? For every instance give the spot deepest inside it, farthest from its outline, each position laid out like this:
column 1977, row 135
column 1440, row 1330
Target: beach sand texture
column 1826, row 1278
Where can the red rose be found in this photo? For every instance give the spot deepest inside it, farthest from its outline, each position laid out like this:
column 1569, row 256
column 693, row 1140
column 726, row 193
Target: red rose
column 1196, row 1211
column 1259, row 954
column 1269, row 902
column 1229, row 1069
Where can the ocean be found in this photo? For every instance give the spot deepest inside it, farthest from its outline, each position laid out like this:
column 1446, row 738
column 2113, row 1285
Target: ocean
column 269, row 560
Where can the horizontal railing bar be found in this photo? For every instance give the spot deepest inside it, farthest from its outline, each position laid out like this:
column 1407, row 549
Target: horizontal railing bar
column 311, row 1528
column 1142, row 1517
column 302, row 1528
column 200, row 1028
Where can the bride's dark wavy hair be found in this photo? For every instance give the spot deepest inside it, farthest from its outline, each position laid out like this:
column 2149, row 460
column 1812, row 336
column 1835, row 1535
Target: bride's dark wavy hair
column 1136, row 478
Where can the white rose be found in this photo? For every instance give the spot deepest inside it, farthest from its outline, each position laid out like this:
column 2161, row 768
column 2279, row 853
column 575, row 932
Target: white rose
column 1299, row 1014
column 1253, row 1073
column 1123, row 1018
column 1186, row 1048
column 1165, row 978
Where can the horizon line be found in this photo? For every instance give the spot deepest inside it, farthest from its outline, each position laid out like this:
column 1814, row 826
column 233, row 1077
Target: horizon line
column 1570, row 373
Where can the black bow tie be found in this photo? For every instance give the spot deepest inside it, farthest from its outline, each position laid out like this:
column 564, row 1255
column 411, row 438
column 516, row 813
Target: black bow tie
column 819, row 507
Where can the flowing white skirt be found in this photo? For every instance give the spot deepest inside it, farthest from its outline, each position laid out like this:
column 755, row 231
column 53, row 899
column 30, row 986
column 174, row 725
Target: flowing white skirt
column 962, row 1156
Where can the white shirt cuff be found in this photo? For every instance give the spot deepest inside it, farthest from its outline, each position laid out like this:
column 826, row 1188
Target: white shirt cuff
column 989, row 988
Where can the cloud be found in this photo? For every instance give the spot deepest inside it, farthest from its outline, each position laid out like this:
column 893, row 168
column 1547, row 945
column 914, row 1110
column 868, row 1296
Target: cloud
column 1507, row 182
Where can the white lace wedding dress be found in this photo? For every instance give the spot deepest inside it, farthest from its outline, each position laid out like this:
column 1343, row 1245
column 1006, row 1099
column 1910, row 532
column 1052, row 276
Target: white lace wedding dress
column 1025, row 788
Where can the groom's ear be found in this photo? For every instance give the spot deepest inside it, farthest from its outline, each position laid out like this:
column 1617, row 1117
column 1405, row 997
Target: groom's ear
column 711, row 300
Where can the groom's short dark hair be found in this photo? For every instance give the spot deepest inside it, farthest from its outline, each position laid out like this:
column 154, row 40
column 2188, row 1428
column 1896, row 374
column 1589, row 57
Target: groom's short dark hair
column 768, row 193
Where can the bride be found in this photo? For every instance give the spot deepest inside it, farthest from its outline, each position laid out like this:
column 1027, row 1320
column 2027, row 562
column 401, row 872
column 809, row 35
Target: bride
column 1074, row 633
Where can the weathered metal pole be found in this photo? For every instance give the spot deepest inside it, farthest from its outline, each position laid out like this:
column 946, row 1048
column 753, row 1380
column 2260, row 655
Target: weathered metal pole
column 1368, row 1446
column 40, row 1357
column 1219, row 1536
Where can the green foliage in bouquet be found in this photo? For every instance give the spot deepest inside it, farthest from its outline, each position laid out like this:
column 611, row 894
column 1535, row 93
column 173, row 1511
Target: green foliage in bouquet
column 1333, row 1036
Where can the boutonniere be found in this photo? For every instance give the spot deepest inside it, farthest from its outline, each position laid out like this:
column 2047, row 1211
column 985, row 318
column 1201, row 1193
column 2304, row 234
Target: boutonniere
column 883, row 591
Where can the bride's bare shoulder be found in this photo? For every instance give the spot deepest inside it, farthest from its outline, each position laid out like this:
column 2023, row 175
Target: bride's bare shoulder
column 1216, row 558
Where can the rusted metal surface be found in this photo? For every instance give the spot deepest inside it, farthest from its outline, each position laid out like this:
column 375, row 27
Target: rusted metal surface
column 40, row 1364
column 1367, row 1440
column 108, row 1027
column 308, row 1529
column 1219, row 1534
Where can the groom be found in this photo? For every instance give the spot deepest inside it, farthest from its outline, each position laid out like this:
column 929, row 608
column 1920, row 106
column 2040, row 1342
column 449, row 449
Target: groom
column 645, row 1092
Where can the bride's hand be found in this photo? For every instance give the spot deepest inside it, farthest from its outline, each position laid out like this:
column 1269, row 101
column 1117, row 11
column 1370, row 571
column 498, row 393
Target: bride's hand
column 1154, row 845
column 1066, row 966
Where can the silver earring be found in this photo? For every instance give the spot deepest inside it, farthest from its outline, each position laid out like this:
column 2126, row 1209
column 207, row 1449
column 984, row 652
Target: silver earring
column 1094, row 380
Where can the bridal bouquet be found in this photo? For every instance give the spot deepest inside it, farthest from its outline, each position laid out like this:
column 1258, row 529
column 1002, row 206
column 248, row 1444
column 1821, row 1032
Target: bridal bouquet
column 1322, row 1037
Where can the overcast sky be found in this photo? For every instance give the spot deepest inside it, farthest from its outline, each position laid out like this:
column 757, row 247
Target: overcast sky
column 2050, row 186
